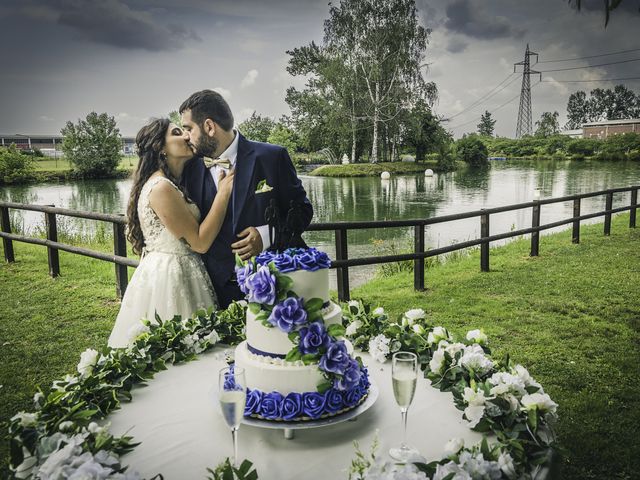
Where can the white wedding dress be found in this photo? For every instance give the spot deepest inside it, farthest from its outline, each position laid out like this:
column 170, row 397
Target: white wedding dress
column 170, row 280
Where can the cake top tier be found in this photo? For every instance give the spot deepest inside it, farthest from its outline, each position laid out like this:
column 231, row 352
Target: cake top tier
column 292, row 259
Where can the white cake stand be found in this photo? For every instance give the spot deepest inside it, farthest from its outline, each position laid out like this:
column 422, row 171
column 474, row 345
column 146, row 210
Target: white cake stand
column 289, row 428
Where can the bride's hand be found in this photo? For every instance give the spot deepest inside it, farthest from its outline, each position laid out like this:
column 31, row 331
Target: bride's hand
column 225, row 182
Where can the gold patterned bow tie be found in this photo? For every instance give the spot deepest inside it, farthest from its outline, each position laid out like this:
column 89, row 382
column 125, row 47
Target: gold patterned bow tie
column 222, row 162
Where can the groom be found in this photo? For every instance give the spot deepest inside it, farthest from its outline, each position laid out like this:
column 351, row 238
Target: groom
column 262, row 172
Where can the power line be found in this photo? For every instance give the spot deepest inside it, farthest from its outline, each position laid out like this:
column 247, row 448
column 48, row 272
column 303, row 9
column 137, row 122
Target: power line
column 591, row 81
column 486, row 96
column 494, row 110
column 590, row 56
column 590, row 66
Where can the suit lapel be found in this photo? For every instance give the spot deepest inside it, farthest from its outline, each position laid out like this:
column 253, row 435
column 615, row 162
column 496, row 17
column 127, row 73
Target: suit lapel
column 245, row 164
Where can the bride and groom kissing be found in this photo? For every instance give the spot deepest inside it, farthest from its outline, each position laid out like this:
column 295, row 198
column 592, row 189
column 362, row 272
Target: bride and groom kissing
column 198, row 198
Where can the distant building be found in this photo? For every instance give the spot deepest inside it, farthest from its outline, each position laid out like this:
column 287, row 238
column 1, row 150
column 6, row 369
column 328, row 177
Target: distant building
column 51, row 144
column 607, row 128
column 577, row 133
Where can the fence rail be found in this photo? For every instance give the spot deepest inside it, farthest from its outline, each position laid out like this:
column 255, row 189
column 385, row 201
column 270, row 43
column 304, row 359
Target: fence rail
column 342, row 262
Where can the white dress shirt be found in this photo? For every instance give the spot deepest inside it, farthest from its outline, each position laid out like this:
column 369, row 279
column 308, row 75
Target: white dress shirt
column 231, row 153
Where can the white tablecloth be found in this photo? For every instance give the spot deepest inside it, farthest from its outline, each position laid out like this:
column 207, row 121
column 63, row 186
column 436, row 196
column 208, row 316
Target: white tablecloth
column 182, row 431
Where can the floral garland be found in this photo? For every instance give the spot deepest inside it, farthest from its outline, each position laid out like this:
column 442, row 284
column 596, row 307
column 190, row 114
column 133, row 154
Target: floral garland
column 61, row 436
column 495, row 397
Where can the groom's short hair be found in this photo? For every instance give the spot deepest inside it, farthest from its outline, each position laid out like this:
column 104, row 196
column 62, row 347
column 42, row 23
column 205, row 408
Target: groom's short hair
column 209, row 104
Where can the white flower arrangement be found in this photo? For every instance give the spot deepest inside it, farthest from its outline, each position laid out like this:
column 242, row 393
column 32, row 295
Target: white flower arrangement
column 477, row 336
column 411, row 316
column 379, row 348
column 88, row 360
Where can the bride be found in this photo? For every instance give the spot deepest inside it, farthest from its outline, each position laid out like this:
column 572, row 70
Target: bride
column 164, row 227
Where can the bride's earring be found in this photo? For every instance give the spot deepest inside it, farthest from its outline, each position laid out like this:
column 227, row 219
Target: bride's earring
column 163, row 155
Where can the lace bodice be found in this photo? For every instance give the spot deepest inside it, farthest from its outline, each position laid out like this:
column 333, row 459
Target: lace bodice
column 156, row 236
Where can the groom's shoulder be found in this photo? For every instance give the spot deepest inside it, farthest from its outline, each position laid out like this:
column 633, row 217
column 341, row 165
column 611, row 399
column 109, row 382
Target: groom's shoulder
column 265, row 148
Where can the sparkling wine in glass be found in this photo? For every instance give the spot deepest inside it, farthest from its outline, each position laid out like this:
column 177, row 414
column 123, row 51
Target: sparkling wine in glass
column 404, row 376
column 233, row 396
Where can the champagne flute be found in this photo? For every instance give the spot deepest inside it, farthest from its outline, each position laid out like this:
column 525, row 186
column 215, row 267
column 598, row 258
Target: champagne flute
column 233, row 395
column 404, row 376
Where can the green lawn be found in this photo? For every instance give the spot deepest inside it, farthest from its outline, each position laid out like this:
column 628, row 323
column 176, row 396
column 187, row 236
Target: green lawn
column 571, row 316
column 46, row 164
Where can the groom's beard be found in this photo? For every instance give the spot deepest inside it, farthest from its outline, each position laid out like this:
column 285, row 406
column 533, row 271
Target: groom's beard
column 206, row 147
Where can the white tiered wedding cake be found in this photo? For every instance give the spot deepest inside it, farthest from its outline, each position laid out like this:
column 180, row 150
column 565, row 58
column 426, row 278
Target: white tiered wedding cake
column 297, row 366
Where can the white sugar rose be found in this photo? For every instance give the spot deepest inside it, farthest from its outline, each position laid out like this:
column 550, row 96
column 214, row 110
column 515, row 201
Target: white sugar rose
column 437, row 334
column 378, row 311
column 353, row 327
column 88, row 360
column 477, row 336
column 379, row 348
column 437, row 361
column 26, row 419
column 541, row 401
column 410, row 316
column 453, row 446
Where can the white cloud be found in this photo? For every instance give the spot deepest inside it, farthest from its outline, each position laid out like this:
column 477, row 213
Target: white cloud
column 249, row 79
column 224, row 92
column 244, row 114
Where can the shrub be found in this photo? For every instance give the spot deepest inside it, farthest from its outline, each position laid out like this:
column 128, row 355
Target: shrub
column 472, row 151
column 15, row 166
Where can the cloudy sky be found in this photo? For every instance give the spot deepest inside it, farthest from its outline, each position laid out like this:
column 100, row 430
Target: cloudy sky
column 136, row 59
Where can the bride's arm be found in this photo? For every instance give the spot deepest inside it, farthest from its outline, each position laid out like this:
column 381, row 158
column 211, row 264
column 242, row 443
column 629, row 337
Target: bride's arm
column 172, row 210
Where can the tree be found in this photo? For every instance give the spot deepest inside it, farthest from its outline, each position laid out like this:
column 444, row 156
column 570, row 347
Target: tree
column 424, row 131
column 257, row 127
column 174, row 117
column 547, row 125
column 577, row 110
column 283, row 135
column 15, row 166
column 472, row 151
column 93, row 145
column 485, row 127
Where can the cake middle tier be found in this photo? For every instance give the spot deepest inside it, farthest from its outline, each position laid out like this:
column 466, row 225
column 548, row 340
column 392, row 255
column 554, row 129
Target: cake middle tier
column 274, row 375
column 271, row 341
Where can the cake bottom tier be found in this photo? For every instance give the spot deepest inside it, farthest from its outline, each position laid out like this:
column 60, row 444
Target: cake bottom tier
column 280, row 390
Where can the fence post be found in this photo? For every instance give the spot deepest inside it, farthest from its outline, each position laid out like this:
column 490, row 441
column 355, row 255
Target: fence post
column 535, row 236
column 575, row 238
column 52, row 236
column 7, row 243
column 120, row 249
column 607, row 216
column 484, row 247
column 634, row 206
column 343, row 272
column 418, row 263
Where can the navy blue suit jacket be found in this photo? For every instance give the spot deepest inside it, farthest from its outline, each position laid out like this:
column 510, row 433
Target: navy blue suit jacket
column 255, row 162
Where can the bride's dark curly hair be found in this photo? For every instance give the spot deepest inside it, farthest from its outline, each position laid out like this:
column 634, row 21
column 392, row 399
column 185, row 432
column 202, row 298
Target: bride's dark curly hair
column 150, row 141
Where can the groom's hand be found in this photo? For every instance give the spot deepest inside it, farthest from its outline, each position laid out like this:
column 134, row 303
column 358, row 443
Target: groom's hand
column 249, row 245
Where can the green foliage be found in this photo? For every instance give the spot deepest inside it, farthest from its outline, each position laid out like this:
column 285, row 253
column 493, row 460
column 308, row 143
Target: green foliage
column 226, row 471
column 486, row 125
column 284, row 136
column 93, row 145
column 548, row 125
column 174, row 116
column 372, row 169
column 258, row 128
column 424, row 132
column 471, row 150
column 15, row 166
column 602, row 104
column 583, row 146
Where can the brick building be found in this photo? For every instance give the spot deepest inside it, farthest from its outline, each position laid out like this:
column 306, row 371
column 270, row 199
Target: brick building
column 607, row 128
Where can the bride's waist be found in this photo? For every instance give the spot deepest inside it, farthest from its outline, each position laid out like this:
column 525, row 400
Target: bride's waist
column 177, row 253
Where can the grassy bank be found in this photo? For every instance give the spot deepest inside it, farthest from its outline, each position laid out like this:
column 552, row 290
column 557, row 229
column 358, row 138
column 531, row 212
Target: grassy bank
column 571, row 316
column 372, row 169
column 45, row 164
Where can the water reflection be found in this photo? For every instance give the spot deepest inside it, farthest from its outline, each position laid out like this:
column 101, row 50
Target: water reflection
column 401, row 197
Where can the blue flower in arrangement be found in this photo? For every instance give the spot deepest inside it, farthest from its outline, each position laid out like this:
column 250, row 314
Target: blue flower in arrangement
column 254, row 400
column 230, row 379
column 312, row 338
column 313, row 404
column 271, row 405
column 353, row 396
column 288, row 314
column 264, row 258
column 336, row 359
column 307, row 261
column 291, row 406
column 351, row 376
column 261, row 286
column 334, row 401
column 242, row 275
column 284, row 263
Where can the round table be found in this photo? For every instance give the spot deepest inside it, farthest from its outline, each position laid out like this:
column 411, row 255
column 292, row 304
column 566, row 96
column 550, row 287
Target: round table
column 182, row 431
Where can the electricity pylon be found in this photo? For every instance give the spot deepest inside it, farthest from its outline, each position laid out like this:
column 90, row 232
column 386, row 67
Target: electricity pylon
column 524, row 127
